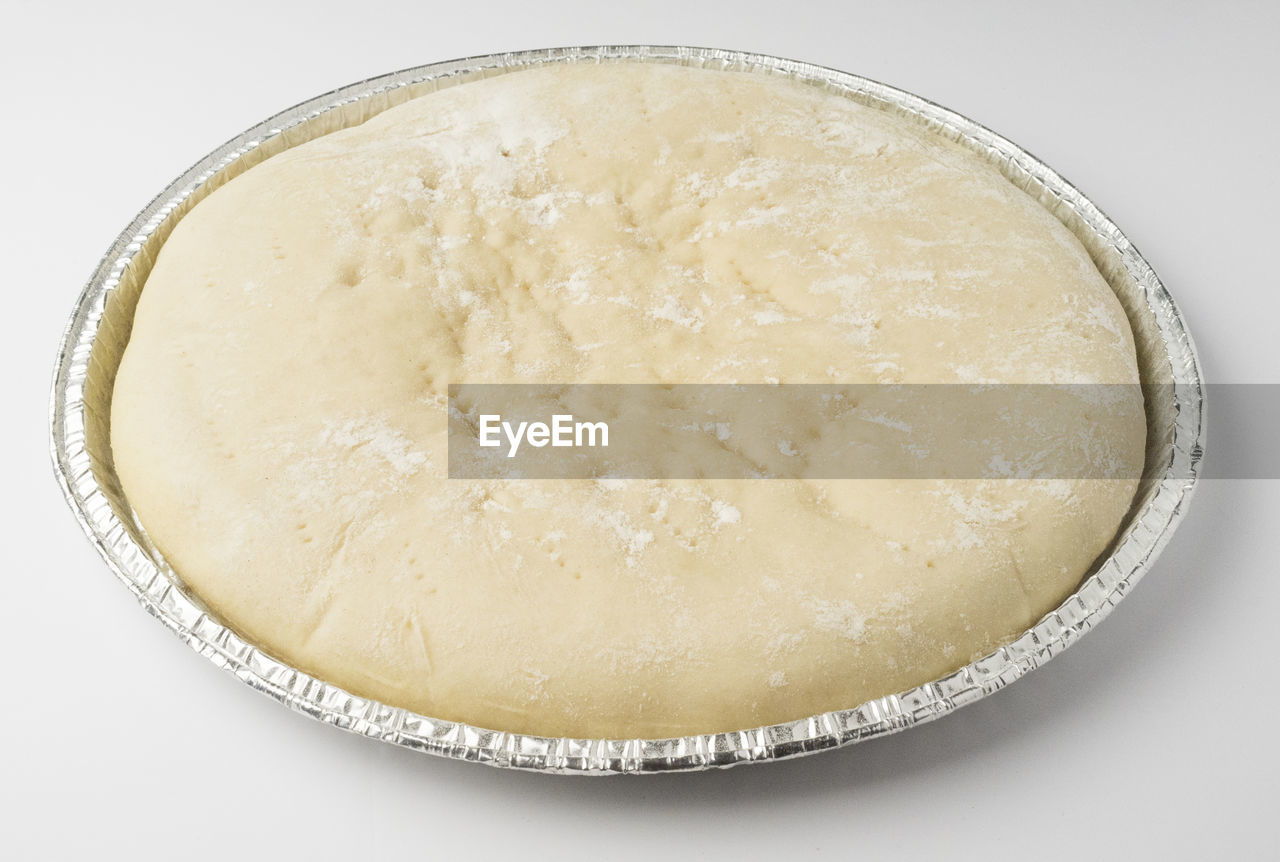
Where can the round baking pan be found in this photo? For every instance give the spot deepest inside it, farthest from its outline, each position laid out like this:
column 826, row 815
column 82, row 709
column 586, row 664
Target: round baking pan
column 99, row 328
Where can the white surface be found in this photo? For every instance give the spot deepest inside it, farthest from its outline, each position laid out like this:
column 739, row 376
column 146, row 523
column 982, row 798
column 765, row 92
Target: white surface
column 1153, row 736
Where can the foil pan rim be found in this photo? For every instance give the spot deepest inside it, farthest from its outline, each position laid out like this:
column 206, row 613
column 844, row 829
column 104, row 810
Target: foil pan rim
column 90, row 488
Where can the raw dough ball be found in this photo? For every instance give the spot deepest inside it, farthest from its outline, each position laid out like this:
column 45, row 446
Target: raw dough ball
column 279, row 416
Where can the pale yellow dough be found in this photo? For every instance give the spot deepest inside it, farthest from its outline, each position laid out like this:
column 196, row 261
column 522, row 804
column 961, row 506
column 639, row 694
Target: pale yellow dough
column 278, row 420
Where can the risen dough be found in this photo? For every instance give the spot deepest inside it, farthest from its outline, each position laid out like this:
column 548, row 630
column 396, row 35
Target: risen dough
column 278, row 419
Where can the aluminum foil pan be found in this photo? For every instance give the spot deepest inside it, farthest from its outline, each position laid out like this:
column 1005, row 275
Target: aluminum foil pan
column 99, row 328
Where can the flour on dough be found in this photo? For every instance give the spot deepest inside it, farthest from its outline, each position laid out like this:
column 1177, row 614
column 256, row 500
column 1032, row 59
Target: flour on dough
column 278, row 421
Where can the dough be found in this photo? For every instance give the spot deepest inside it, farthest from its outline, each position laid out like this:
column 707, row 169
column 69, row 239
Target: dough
column 279, row 417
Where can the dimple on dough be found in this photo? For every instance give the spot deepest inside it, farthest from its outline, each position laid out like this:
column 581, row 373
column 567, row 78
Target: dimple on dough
column 278, row 421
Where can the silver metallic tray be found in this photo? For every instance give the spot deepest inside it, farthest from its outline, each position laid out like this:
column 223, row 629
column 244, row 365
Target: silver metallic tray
column 96, row 335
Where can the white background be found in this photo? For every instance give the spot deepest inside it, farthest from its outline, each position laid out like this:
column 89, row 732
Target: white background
column 1154, row 737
